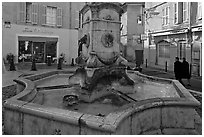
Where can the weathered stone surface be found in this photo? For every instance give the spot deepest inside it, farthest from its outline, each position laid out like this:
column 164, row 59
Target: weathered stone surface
column 177, row 117
column 179, row 131
column 124, row 127
column 40, row 126
column 90, row 131
column 198, row 123
column 149, row 119
column 153, row 132
column 13, row 122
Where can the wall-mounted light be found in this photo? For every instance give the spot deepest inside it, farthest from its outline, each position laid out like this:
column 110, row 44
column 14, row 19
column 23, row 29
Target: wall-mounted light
column 7, row 24
column 139, row 19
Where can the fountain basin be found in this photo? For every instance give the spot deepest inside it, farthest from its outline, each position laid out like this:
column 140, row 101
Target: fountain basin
column 25, row 113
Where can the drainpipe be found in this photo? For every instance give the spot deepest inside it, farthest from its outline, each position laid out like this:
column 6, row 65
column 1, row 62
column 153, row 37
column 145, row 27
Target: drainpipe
column 190, row 35
column 70, row 13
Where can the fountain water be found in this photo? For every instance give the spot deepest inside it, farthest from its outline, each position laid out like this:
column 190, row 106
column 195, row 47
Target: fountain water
column 102, row 97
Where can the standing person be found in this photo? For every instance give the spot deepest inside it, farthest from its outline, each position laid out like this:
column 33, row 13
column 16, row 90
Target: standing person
column 185, row 71
column 177, row 70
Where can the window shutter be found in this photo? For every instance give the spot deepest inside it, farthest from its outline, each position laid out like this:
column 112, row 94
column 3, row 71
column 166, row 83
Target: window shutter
column 43, row 19
column 59, row 17
column 34, row 15
column 22, row 11
column 77, row 19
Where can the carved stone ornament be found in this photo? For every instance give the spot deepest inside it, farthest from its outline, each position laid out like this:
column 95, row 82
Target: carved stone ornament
column 108, row 17
column 107, row 40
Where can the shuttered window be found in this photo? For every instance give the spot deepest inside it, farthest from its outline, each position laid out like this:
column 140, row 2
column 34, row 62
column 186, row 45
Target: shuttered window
column 185, row 11
column 43, row 19
column 28, row 11
column 199, row 10
column 76, row 19
column 51, row 16
column 34, row 15
column 59, row 17
column 22, row 12
column 176, row 13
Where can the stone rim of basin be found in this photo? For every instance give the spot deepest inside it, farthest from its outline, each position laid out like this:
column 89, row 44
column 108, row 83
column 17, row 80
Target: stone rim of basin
column 15, row 103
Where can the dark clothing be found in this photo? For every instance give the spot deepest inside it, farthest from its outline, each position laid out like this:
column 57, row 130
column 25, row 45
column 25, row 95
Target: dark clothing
column 177, row 69
column 185, row 70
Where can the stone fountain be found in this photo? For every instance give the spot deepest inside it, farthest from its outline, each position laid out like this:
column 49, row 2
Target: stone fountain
column 101, row 97
column 102, row 60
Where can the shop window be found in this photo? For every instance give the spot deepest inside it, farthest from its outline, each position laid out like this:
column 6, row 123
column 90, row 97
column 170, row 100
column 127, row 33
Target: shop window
column 51, row 49
column 164, row 50
column 25, row 51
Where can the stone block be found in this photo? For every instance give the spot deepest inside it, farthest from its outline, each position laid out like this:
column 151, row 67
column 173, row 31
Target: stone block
column 179, row 131
column 12, row 122
column 153, row 132
column 149, row 119
column 84, row 130
column 198, row 124
column 177, row 117
column 124, row 128
column 41, row 126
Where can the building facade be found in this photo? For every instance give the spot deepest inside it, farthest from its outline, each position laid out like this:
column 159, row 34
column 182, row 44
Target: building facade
column 40, row 28
column 132, row 28
column 174, row 29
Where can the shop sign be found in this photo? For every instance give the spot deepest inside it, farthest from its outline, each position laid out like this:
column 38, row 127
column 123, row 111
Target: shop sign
column 36, row 30
column 136, row 39
column 178, row 31
column 197, row 29
column 144, row 36
column 153, row 46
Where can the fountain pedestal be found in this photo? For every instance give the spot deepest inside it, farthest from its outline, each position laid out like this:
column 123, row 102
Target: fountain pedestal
column 100, row 53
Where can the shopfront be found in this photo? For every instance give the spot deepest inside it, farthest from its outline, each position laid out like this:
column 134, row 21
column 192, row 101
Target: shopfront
column 197, row 51
column 40, row 47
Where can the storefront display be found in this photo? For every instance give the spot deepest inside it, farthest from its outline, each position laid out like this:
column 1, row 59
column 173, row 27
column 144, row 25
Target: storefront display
column 40, row 47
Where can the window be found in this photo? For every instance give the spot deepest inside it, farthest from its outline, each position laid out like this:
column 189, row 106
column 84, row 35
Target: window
column 199, row 10
column 76, row 19
column 165, row 16
column 185, row 11
column 28, row 11
column 164, row 51
column 182, row 49
column 175, row 13
column 51, row 16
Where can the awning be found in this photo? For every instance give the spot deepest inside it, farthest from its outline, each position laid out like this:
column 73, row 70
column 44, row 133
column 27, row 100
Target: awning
column 37, row 39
